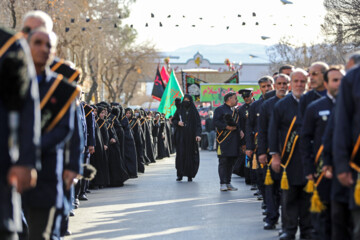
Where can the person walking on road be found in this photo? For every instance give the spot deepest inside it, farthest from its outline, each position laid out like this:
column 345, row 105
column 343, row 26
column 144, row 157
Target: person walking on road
column 226, row 119
column 189, row 131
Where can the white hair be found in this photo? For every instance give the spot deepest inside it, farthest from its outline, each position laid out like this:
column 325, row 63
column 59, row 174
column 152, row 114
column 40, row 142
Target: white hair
column 43, row 16
column 298, row 70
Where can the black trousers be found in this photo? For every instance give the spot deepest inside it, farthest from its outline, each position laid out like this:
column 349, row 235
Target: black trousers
column 272, row 201
column 41, row 223
column 356, row 223
column 322, row 224
column 341, row 221
column 296, row 208
column 226, row 165
column 8, row 236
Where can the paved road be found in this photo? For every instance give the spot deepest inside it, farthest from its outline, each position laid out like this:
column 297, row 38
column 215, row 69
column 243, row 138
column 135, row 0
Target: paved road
column 155, row 206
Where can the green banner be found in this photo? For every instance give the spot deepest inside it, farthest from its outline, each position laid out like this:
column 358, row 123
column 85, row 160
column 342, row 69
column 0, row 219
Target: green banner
column 171, row 92
column 215, row 93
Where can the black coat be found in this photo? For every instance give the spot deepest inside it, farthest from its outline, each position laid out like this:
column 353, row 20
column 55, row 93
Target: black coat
column 339, row 193
column 252, row 123
column 305, row 100
column 230, row 146
column 187, row 149
column 347, row 125
column 283, row 114
column 315, row 120
column 266, row 111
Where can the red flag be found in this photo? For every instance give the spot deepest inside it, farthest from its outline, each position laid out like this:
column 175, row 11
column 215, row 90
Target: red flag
column 159, row 86
column 164, row 75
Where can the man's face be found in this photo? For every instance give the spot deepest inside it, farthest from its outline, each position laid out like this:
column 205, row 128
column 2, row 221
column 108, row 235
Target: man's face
column 128, row 114
column 333, row 84
column 232, row 101
column 247, row 100
column 32, row 23
column 281, row 86
column 287, row 71
column 40, row 48
column 265, row 87
column 298, row 84
column 316, row 77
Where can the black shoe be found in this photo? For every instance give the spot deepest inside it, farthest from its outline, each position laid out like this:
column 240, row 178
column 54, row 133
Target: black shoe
column 281, row 232
column 189, row 179
column 77, row 202
column 253, row 188
column 286, row 236
column 305, row 237
column 83, row 197
column 263, row 205
column 67, row 233
column 269, row 226
column 260, row 198
column 133, row 176
column 87, row 191
column 265, row 213
column 179, row 179
column 257, row 193
column 71, row 214
column 264, row 219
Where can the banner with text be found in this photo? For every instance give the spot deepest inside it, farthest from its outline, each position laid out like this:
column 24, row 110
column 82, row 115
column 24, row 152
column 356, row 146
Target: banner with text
column 214, row 93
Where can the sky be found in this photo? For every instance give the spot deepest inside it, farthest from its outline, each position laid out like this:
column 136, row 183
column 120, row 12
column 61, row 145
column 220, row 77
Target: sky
column 221, row 24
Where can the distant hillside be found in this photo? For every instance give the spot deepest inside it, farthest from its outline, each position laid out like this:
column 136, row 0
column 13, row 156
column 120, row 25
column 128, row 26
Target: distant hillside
column 235, row 52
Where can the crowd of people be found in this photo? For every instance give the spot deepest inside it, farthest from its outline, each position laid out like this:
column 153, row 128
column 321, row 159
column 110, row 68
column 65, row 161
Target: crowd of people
column 56, row 147
column 298, row 146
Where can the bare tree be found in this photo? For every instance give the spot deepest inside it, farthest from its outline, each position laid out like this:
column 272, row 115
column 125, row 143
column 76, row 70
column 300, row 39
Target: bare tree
column 341, row 22
column 302, row 56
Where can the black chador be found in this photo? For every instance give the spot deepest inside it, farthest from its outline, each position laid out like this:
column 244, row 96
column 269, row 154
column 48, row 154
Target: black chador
column 283, row 131
column 162, row 141
column 155, row 125
column 168, row 136
column 96, row 159
column 142, row 128
column 119, row 131
column 148, row 139
column 187, row 149
column 105, row 136
column 136, row 129
column 129, row 146
column 117, row 170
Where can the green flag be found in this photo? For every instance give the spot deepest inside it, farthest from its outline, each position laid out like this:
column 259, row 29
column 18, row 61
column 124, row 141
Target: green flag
column 172, row 91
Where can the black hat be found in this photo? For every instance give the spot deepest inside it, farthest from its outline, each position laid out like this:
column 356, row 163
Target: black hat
column 229, row 94
column 245, row 92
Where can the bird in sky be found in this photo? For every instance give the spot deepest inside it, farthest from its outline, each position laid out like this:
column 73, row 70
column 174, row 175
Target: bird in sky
column 264, row 37
column 286, row 2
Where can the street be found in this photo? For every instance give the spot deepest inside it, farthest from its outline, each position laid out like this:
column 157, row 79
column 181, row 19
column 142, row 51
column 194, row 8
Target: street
column 155, row 206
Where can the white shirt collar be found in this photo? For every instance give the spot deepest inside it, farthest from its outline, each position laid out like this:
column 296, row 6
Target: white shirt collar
column 331, row 97
column 296, row 99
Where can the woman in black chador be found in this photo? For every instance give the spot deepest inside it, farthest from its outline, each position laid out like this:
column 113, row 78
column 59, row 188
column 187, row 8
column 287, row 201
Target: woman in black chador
column 118, row 173
column 188, row 135
column 129, row 145
column 163, row 150
column 99, row 158
column 135, row 126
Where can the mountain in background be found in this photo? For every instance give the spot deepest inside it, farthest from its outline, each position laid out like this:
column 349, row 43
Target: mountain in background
column 235, row 52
